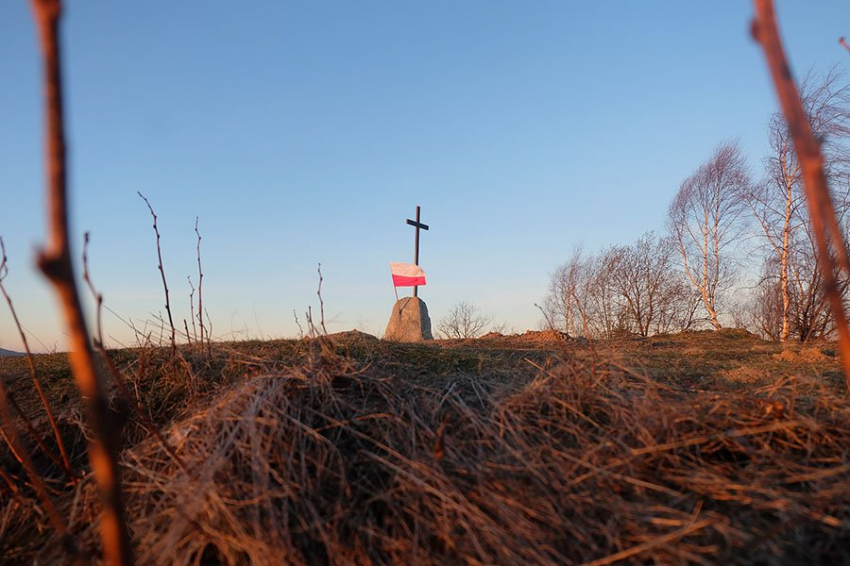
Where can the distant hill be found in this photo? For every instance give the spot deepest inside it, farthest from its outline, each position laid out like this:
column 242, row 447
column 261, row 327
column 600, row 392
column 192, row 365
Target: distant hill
column 9, row 353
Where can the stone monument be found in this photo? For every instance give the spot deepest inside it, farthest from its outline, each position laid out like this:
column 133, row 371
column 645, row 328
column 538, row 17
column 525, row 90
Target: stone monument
column 409, row 321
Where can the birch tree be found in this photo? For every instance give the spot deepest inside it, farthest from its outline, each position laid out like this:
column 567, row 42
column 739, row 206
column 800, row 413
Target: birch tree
column 566, row 304
column 778, row 202
column 704, row 219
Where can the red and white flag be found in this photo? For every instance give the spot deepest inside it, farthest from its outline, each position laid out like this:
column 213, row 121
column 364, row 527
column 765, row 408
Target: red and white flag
column 407, row 274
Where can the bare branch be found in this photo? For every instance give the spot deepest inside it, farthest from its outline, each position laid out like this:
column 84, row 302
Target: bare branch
column 200, row 286
column 162, row 274
column 321, row 301
column 55, row 263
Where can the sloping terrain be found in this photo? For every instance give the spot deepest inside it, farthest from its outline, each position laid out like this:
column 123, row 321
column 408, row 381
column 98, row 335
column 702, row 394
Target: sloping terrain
column 536, row 449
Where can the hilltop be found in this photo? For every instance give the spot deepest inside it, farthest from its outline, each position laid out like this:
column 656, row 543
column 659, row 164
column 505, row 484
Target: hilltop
column 536, row 448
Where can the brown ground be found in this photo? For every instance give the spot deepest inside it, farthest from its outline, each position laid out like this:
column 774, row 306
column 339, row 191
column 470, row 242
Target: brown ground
column 537, row 448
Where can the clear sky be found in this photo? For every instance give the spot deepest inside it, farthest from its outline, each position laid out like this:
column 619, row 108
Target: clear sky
column 303, row 132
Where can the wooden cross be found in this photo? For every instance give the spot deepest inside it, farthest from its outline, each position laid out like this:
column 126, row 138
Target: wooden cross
column 418, row 225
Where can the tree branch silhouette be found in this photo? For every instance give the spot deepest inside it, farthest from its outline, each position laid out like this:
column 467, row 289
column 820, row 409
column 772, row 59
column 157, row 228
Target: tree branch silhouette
column 55, row 263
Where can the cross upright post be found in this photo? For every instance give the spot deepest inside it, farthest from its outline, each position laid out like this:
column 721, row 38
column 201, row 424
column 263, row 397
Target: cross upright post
column 417, row 224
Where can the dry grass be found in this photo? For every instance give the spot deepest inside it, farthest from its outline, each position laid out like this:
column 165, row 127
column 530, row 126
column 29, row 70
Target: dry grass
column 330, row 453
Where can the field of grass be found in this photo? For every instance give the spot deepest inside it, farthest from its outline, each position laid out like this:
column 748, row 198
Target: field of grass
column 703, row 447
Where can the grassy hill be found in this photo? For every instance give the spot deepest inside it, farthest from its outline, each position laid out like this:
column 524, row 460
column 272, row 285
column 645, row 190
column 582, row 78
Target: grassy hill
column 695, row 447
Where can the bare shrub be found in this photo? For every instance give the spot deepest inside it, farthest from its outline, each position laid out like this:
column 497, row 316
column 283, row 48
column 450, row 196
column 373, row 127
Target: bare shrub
column 464, row 320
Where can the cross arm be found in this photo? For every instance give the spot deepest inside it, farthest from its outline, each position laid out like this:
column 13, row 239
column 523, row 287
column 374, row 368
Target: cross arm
column 417, row 224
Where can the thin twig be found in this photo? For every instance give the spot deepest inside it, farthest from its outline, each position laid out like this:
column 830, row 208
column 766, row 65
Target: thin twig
column 10, row 482
column 162, row 273
column 200, row 286
column 55, row 263
column 209, row 332
column 192, row 310
column 321, row 301
column 98, row 297
column 300, row 330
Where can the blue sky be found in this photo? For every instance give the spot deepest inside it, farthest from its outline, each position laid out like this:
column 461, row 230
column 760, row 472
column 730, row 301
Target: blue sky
column 306, row 132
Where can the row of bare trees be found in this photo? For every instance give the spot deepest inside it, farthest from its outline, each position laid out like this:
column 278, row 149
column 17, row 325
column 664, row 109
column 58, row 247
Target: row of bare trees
column 621, row 290
column 724, row 225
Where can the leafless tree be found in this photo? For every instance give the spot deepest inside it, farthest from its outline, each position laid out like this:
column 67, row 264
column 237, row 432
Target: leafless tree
column 581, row 300
column 653, row 296
column 810, row 315
column 605, row 312
column 621, row 290
column 778, row 202
column 564, row 304
column 798, row 306
column 763, row 311
column 463, row 321
column 704, row 219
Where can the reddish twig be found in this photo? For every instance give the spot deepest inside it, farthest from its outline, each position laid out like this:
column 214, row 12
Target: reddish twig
column 821, row 211
column 10, row 482
column 162, row 273
column 55, row 263
column 65, row 462
column 38, row 438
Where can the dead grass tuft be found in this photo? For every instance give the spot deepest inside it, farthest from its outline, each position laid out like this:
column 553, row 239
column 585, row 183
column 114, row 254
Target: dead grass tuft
column 745, row 375
column 811, row 355
column 335, row 461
